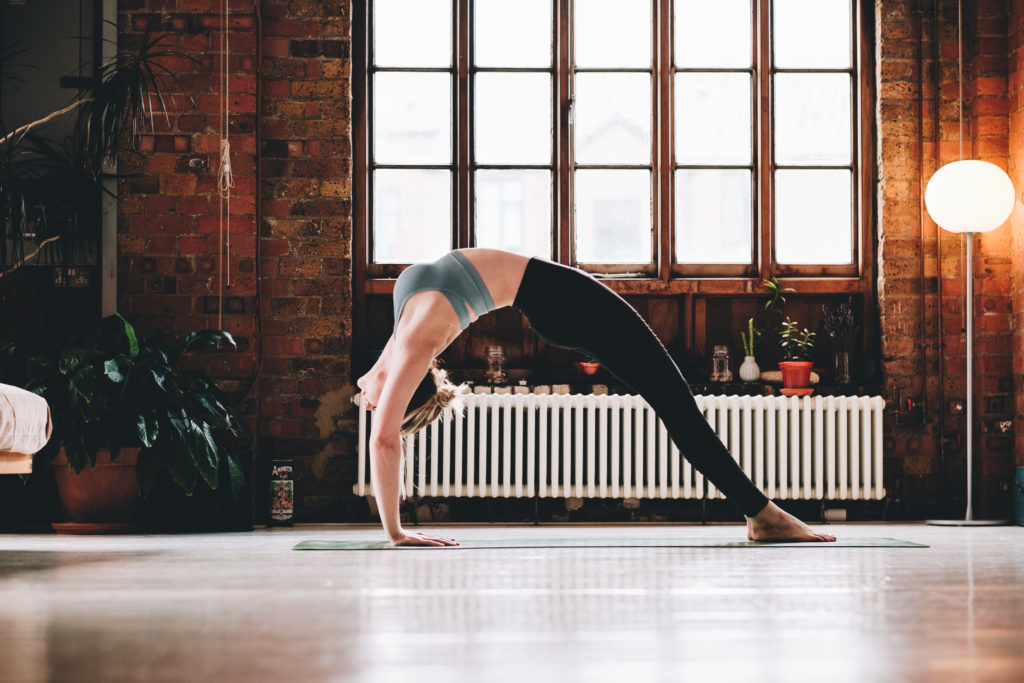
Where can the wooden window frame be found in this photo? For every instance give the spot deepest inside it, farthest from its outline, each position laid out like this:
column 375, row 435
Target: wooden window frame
column 664, row 277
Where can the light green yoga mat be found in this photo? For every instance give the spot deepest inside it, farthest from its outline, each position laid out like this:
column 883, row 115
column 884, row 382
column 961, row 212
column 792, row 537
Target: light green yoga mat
column 618, row 542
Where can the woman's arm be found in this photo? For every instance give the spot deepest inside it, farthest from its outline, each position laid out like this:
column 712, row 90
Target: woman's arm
column 409, row 363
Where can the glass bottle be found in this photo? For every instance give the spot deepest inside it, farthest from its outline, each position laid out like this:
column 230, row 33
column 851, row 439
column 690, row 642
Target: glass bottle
column 841, row 367
column 720, row 371
column 495, row 373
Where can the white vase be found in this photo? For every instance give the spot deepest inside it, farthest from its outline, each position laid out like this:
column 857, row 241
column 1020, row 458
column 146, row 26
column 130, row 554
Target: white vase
column 749, row 371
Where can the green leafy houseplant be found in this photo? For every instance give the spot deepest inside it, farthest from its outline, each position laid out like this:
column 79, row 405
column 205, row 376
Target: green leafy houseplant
column 777, row 296
column 108, row 389
column 772, row 308
column 795, row 343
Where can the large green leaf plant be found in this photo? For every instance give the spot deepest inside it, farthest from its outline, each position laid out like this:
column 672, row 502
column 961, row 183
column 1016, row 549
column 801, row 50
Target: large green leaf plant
column 108, row 389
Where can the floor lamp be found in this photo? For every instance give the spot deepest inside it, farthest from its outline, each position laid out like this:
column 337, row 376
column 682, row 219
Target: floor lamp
column 968, row 197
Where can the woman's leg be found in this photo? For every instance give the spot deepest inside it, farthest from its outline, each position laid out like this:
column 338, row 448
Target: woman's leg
column 570, row 309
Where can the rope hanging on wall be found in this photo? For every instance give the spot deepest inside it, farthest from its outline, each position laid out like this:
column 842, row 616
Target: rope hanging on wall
column 225, row 179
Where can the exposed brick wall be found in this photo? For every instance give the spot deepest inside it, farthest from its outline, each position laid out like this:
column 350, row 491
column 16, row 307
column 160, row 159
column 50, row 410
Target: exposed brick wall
column 294, row 257
column 923, row 358
column 169, row 221
column 306, row 228
column 1016, row 170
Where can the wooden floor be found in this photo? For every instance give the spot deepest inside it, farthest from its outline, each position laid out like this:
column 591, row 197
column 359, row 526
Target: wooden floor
column 245, row 607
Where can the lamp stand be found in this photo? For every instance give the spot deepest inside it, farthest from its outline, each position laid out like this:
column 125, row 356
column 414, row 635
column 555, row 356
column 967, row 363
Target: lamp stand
column 969, row 515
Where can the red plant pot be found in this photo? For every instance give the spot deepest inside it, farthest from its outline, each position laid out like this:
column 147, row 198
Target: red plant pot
column 796, row 374
column 100, row 498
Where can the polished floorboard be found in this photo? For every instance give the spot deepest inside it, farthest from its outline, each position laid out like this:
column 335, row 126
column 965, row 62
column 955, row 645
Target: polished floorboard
column 245, row 607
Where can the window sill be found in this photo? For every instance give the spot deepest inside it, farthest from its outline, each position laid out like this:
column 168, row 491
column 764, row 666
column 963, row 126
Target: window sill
column 712, row 389
column 708, row 286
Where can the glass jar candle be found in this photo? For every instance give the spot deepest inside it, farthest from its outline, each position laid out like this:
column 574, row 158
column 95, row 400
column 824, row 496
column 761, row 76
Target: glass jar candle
column 720, row 371
column 495, row 373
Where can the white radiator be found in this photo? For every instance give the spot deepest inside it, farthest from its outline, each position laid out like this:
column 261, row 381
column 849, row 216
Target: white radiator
column 612, row 446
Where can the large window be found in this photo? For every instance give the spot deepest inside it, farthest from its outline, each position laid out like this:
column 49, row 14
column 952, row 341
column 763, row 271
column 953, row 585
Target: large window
column 659, row 141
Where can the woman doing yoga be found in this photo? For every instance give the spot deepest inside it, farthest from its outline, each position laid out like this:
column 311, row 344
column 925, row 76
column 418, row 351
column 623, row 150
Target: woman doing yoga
column 435, row 302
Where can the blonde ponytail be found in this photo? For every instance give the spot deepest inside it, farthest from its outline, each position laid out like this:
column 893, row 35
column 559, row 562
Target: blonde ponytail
column 448, row 396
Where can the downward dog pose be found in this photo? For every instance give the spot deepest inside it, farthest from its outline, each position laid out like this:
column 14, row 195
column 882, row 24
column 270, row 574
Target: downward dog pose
column 435, row 302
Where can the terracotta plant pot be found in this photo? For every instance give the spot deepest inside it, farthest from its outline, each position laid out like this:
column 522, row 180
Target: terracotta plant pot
column 100, row 498
column 796, row 374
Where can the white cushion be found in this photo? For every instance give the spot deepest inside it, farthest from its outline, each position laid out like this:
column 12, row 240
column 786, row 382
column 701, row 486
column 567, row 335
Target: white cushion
column 25, row 425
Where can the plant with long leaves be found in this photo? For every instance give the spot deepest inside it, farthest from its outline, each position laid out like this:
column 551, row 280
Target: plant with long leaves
column 761, row 324
column 122, row 102
column 108, row 389
column 125, row 100
column 777, row 296
column 750, row 337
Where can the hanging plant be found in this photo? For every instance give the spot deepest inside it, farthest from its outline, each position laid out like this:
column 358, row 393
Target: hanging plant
column 50, row 190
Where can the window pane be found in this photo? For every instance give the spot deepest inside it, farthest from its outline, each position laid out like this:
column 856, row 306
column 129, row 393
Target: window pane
column 713, row 118
column 812, row 119
column 813, row 216
column 612, row 33
column 812, row 34
column 512, row 33
column 513, row 118
column 613, row 216
column 513, row 211
column 713, row 34
column 713, row 216
column 412, row 33
column 613, row 118
column 412, row 215
column 412, row 118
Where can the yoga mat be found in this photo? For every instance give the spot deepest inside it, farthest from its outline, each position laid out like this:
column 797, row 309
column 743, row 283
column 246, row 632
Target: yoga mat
column 618, row 542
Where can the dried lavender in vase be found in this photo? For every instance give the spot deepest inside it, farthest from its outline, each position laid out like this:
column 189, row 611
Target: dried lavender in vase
column 842, row 329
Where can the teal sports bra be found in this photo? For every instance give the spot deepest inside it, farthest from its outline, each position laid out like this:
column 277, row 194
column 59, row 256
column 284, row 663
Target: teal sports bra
column 452, row 275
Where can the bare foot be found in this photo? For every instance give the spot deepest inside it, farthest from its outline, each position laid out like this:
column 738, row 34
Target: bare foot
column 775, row 524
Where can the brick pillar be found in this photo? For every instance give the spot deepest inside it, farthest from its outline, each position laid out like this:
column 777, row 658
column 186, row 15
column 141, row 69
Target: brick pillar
column 989, row 134
column 306, row 237
column 921, row 358
column 1016, row 170
column 169, row 223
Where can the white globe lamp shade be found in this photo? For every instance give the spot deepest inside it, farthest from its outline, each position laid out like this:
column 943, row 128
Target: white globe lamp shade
column 969, row 196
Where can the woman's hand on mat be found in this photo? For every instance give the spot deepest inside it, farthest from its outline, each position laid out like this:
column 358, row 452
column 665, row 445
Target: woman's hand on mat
column 418, row 538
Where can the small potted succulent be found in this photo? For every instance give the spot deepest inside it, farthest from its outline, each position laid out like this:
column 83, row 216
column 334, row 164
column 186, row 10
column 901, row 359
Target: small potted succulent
column 796, row 344
column 125, row 412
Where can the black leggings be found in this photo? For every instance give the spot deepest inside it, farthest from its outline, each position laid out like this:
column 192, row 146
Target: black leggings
column 570, row 309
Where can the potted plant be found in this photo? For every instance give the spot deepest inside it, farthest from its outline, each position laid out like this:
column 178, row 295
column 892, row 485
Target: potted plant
column 796, row 344
column 51, row 190
column 125, row 412
column 777, row 297
column 749, row 370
